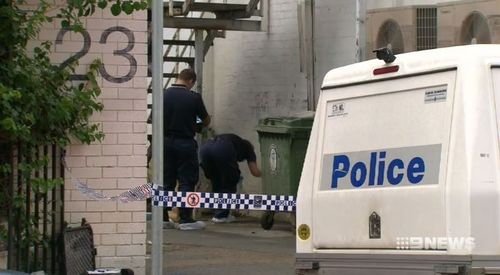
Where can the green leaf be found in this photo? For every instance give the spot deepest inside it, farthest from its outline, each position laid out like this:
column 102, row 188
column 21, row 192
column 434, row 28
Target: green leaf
column 8, row 123
column 144, row 5
column 127, row 7
column 116, row 9
column 137, row 6
column 102, row 4
column 78, row 28
column 65, row 24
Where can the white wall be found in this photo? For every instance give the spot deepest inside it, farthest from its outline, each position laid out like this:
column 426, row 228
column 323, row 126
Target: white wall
column 256, row 75
column 334, row 36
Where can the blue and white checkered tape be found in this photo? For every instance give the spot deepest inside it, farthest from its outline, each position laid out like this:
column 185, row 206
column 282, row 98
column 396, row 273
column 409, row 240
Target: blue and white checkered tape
column 163, row 198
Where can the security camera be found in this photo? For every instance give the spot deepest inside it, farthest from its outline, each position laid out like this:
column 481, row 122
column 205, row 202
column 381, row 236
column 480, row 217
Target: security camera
column 385, row 54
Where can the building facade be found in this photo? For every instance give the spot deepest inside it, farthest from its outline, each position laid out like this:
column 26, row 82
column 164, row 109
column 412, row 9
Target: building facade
column 420, row 25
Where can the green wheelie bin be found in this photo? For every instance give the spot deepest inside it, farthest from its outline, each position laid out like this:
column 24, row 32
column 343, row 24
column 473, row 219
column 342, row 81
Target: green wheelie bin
column 283, row 144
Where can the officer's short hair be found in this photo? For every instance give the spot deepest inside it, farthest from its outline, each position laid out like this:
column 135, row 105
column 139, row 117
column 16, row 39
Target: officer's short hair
column 187, row 75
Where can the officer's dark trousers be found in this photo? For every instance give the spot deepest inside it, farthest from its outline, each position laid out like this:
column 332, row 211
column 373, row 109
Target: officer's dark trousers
column 180, row 164
column 218, row 160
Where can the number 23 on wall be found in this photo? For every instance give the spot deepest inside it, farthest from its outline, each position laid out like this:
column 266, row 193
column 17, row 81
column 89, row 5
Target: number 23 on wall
column 104, row 37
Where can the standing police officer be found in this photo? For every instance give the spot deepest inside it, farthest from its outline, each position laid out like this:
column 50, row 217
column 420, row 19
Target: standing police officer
column 181, row 109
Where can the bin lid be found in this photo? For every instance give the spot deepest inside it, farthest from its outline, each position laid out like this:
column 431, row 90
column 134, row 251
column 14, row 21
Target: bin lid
column 286, row 124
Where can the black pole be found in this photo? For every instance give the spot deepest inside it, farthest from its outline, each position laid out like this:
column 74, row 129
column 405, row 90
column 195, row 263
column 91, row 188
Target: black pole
column 10, row 210
column 45, row 213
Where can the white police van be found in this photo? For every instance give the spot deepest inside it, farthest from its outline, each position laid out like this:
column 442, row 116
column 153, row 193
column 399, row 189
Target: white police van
column 402, row 171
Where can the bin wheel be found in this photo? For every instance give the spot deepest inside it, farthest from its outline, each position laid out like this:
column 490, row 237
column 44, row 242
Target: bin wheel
column 267, row 220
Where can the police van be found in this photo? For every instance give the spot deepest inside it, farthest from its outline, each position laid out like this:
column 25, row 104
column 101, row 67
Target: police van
column 402, row 170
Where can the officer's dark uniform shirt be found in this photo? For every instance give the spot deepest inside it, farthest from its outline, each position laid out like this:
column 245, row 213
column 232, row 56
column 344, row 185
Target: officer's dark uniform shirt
column 244, row 150
column 181, row 107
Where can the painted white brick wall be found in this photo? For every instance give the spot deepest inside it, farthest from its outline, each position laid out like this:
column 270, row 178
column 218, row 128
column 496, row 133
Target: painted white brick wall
column 334, row 36
column 252, row 75
column 119, row 162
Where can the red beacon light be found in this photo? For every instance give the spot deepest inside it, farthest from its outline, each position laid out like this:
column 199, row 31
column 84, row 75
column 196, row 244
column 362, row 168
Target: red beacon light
column 385, row 70
column 388, row 56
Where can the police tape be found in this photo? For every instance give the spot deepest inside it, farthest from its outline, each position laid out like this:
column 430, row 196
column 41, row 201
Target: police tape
column 163, row 198
column 138, row 193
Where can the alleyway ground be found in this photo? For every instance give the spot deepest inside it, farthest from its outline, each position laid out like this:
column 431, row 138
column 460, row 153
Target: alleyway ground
column 242, row 247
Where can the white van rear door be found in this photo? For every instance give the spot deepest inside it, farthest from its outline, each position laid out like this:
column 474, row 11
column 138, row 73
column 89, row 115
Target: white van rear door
column 384, row 154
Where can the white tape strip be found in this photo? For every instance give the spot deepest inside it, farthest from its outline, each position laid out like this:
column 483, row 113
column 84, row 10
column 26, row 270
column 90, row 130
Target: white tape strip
column 138, row 193
column 164, row 198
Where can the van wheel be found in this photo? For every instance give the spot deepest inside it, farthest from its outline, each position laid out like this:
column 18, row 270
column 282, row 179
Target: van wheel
column 267, row 220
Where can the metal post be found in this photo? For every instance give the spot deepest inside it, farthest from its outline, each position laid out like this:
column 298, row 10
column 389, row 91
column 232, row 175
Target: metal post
column 157, row 85
column 10, row 209
column 198, row 59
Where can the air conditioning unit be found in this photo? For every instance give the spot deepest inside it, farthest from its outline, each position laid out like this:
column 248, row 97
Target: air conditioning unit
column 404, row 29
column 471, row 22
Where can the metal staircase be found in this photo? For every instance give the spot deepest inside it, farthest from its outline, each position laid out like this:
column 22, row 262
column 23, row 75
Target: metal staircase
column 192, row 27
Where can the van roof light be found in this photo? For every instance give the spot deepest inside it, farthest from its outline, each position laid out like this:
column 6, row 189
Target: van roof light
column 385, row 54
column 385, row 70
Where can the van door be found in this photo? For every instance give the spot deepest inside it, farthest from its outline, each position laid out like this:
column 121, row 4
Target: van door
column 382, row 171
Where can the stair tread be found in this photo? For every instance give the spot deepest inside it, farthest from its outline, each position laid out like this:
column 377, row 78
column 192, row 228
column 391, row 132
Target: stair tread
column 178, row 42
column 208, row 7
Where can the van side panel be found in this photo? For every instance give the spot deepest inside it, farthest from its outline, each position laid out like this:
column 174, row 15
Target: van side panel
column 485, row 168
column 496, row 95
column 480, row 133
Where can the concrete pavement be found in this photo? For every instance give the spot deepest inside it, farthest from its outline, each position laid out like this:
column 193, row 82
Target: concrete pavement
column 242, row 247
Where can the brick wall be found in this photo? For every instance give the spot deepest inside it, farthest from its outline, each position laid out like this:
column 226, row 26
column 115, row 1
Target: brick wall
column 119, row 162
